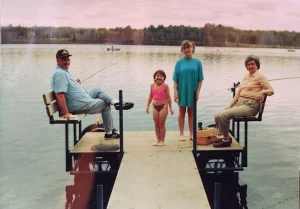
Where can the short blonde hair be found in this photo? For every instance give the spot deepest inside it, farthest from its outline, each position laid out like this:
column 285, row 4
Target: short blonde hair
column 187, row 43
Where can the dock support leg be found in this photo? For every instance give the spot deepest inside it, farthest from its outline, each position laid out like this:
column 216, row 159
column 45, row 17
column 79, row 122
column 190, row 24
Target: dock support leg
column 245, row 152
column 217, row 196
column 67, row 151
column 195, row 125
column 80, row 130
column 75, row 133
column 121, row 120
column 238, row 131
column 100, row 197
column 233, row 128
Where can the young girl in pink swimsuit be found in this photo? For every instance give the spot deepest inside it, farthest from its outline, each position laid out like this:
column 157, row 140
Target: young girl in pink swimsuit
column 160, row 94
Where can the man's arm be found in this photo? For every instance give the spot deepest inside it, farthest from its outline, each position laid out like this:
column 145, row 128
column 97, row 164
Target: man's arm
column 61, row 100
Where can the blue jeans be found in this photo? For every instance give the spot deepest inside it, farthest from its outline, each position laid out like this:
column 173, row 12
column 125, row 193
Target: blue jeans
column 100, row 103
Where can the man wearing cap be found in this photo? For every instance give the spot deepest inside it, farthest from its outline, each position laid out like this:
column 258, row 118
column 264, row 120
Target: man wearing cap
column 73, row 98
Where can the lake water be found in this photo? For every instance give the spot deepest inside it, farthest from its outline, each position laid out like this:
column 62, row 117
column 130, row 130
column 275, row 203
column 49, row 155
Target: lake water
column 32, row 165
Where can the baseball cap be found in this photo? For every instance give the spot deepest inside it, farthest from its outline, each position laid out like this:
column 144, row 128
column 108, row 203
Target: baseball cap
column 62, row 53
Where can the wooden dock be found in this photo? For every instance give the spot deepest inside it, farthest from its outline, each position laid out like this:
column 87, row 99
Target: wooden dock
column 153, row 177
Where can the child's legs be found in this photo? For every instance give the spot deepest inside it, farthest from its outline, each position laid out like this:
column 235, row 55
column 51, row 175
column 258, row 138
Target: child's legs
column 181, row 116
column 162, row 122
column 190, row 119
column 156, row 123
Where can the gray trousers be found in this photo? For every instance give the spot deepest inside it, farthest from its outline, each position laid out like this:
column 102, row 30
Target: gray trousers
column 244, row 107
column 99, row 104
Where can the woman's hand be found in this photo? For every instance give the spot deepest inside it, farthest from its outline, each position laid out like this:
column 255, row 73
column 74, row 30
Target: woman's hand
column 228, row 107
column 176, row 98
column 260, row 96
column 147, row 110
column 171, row 111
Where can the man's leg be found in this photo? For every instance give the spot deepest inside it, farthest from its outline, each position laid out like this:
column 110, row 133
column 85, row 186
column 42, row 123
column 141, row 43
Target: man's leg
column 107, row 120
column 100, row 106
column 98, row 93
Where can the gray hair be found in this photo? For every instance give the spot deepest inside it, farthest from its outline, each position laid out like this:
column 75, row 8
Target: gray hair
column 254, row 58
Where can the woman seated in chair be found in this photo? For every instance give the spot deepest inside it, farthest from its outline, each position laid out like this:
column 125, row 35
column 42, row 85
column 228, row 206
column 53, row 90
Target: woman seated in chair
column 246, row 101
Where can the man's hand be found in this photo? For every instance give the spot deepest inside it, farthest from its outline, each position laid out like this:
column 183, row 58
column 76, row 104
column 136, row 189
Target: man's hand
column 67, row 115
column 78, row 80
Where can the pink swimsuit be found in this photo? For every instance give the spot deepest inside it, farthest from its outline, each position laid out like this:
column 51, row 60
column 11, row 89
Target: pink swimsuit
column 159, row 95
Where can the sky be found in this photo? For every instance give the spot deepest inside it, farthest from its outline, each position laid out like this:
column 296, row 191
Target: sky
column 242, row 14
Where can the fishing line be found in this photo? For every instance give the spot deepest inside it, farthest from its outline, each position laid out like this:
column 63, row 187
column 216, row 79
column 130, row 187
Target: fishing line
column 276, row 79
column 97, row 72
column 99, row 120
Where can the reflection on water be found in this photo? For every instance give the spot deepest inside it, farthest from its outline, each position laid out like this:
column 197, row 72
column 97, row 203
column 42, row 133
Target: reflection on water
column 31, row 151
column 232, row 194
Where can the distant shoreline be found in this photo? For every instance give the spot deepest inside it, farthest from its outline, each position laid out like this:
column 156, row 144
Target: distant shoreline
column 226, row 45
column 210, row 35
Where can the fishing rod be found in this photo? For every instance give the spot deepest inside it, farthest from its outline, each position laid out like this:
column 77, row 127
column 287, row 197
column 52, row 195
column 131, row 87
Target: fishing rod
column 275, row 79
column 95, row 73
column 99, row 122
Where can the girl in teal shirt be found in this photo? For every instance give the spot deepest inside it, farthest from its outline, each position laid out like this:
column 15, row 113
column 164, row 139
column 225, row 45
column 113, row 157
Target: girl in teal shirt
column 187, row 77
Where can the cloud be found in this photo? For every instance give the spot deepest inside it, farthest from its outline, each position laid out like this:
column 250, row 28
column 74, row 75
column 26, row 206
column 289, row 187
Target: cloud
column 246, row 14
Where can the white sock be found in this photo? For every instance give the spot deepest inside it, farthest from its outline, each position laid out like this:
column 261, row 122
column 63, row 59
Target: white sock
column 114, row 101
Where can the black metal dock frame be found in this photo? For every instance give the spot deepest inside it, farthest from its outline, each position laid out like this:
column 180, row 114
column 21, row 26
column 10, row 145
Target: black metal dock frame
column 214, row 160
column 92, row 186
column 236, row 125
column 219, row 160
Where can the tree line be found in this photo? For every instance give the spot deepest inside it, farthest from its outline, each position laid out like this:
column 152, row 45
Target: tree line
column 209, row 35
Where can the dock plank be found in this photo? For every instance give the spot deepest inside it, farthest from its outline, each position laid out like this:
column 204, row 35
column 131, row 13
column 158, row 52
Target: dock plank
column 141, row 141
column 93, row 142
column 157, row 177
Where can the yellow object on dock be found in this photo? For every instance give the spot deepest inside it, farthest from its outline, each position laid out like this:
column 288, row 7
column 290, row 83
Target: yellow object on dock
column 163, row 177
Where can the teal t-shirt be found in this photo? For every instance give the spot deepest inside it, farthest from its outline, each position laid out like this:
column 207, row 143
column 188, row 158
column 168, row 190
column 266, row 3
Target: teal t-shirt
column 187, row 74
column 76, row 96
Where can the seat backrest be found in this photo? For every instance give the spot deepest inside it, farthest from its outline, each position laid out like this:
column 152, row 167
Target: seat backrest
column 51, row 104
column 262, row 107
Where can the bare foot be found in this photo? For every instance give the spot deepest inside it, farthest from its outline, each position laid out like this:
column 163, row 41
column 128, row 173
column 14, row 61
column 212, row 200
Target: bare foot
column 161, row 143
column 181, row 138
column 155, row 144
